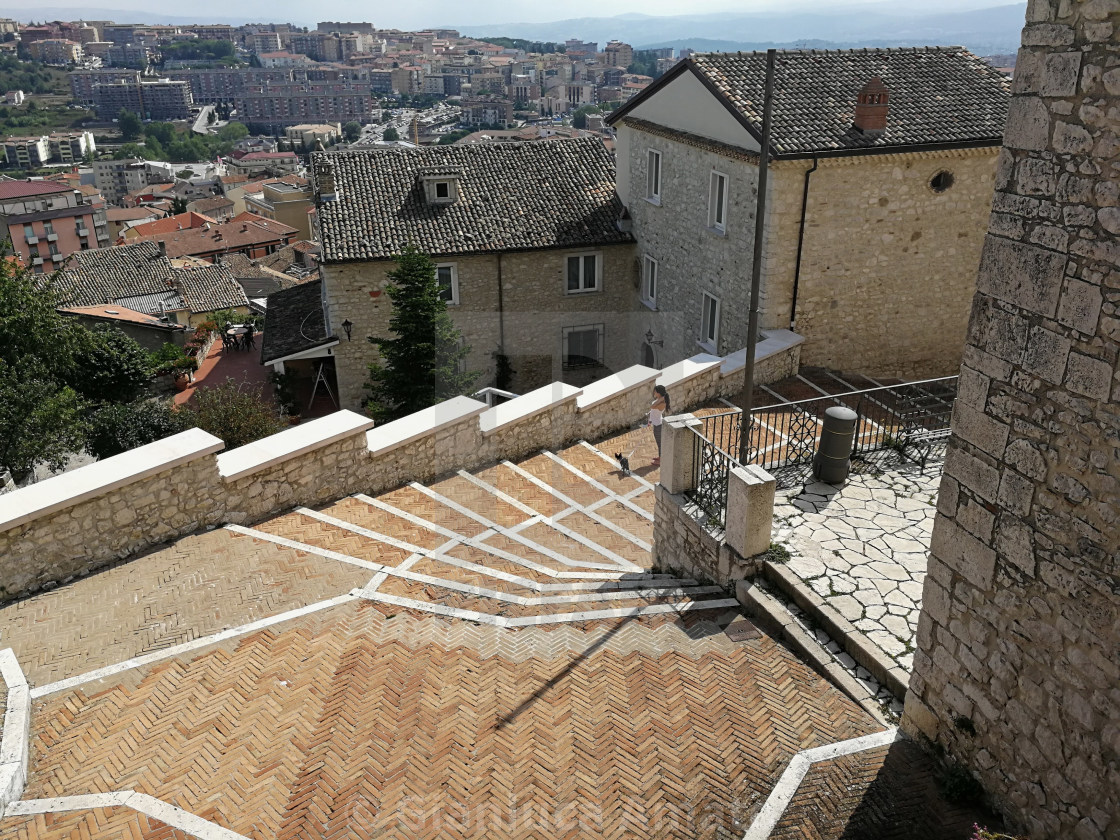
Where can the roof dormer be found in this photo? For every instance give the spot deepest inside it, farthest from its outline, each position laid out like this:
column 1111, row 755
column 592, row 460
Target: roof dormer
column 441, row 184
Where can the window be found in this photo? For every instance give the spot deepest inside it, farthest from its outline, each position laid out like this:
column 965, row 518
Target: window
column 709, row 323
column 649, row 281
column 653, row 177
column 717, row 202
column 583, row 346
column 443, row 189
column 48, row 227
column 28, row 232
column 941, row 181
column 448, row 284
column 583, row 273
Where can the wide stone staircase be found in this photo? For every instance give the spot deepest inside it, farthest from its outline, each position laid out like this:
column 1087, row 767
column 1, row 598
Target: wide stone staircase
column 561, row 537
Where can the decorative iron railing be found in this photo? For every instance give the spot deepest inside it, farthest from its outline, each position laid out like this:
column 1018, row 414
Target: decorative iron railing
column 894, row 421
column 712, row 465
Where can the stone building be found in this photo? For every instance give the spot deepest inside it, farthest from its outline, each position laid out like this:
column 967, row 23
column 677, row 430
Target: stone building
column 526, row 240
column 1016, row 674
column 879, row 186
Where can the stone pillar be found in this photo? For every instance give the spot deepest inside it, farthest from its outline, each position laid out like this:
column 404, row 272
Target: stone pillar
column 678, row 453
column 1016, row 673
column 750, row 509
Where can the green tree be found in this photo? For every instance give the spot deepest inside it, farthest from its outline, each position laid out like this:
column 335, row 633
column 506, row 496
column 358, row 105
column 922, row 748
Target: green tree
column 41, row 420
column 232, row 132
column 579, row 118
column 236, row 412
column 109, row 366
column 352, row 131
column 211, row 117
column 391, row 134
column 117, row 427
column 178, row 205
column 130, row 125
column 422, row 365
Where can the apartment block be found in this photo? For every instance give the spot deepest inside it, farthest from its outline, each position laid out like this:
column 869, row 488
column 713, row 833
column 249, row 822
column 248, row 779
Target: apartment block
column 47, row 221
column 159, row 99
column 283, row 104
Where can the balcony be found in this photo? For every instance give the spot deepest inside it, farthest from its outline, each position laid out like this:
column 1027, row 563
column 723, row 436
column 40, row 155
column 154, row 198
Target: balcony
column 37, row 261
column 58, row 257
column 52, row 237
column 33, row 240
column 83, row 231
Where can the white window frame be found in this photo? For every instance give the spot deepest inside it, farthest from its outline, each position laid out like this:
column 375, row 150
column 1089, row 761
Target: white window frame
column 454, row 281
column 653, row 176
column 649, row 281
column 596, row 281
column 600, row 337
column 717, row 206
column 709, row 322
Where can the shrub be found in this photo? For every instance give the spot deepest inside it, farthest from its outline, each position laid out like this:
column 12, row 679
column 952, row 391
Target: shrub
column 116, row 428
column 234, row 411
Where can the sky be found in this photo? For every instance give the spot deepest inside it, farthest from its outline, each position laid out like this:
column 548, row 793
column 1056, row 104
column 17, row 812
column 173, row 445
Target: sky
column 425, row 13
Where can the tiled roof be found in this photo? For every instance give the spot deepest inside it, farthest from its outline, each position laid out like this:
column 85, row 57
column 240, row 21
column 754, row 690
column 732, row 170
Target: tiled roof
column 239, row 232
column 294, row 321
column 941, row 96
column 210, row 287
column 138, row 270
column 22, row 189
column 517, row 196
column 269, row 156
column 205, row 205
column 129, row 214
column 180, row 221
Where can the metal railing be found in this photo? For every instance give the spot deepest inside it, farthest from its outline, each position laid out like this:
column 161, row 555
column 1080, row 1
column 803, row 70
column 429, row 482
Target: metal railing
column 712, row 466
column 894, row 421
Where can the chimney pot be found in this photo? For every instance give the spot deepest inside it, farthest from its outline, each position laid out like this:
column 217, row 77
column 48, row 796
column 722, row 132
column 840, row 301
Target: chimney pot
column 872, row 107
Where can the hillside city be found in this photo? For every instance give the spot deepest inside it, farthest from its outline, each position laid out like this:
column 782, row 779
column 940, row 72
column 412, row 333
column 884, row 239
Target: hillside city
column 419, row 435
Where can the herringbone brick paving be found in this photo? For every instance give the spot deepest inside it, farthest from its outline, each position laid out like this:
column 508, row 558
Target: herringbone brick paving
column 335, row 726
column 118, row 823
column 372, row 719
column 888, row 793
column 197, row 586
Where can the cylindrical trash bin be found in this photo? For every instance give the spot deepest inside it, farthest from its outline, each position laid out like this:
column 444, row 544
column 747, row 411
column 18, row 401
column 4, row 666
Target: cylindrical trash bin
column 834, row 452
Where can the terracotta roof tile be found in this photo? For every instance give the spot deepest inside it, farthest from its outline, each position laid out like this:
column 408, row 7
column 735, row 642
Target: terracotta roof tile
column 516, row 196
column 938, row 96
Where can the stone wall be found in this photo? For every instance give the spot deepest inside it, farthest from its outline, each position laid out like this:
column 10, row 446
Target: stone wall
column 887, row 263
column 1016, row 673
column 535, row 305
column 78, row 522
column 692, row 258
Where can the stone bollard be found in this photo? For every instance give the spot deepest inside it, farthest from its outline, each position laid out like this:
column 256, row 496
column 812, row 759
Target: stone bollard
column 678, row 453
column 750, row 509
column 834, row 452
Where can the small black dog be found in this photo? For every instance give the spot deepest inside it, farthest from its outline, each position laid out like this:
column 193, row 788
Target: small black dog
column 623, row 462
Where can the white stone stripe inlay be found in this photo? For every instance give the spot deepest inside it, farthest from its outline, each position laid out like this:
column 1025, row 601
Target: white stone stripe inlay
column 478, row 541
column 409, row 562
column 799, row 765
column 646, row 485
column 557, row 618
column 494, row 491
column 568, row 532
column 456, row 586
column 514, row 532
column 173, row 816
column 17, row 729
column 602, row 488
column 187, row 647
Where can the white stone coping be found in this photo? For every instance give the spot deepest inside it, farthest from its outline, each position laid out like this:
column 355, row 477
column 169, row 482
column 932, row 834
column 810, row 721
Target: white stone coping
column 612, row 386
column 776, row 341
column 96, row 479
column 17, row 729
column 423, row 422
column 535, row 402
column 687, row 369
column 290, row 443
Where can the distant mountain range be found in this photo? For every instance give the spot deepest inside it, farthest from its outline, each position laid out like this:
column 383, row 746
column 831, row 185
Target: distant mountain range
column 985, row 31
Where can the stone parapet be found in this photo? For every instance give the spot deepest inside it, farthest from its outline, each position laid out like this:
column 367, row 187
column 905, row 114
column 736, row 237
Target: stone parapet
column 1015, row 675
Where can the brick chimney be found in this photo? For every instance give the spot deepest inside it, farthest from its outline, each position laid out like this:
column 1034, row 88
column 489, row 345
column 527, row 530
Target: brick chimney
column 872, row 107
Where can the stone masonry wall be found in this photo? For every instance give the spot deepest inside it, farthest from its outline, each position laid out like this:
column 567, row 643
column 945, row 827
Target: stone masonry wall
column 93, row 533
column 888, row 264
column 1021, row 614
column 684, row 544
column 534, row 301
column 692, row 258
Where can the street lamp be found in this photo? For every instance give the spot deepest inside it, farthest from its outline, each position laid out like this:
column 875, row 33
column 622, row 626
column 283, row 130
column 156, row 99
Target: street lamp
column 347, row 325
column 649, row 339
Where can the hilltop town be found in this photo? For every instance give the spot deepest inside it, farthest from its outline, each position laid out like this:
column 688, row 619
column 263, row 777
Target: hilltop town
column 408, row 434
